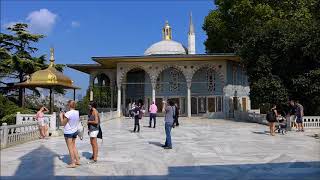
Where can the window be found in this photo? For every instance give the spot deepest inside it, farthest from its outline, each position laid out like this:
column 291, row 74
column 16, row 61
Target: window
column 215, row 104
column 174, row 80
column 211, row 78
column 244, row 104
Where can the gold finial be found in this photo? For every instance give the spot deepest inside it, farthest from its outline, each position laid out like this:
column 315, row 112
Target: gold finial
column 166, row 32
column 51, row 57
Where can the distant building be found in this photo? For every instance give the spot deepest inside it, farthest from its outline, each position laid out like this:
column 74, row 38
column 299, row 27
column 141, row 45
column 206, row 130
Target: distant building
column 213, row 85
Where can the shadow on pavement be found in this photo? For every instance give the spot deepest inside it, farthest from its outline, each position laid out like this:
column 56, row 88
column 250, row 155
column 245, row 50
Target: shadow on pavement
column 39, row 164
column 156, row 143
column 87, row 155
column 263, row 132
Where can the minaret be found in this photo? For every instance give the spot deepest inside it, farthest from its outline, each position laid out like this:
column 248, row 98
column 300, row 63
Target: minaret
column 51, row 57
column 166, row 32
column 191, row 38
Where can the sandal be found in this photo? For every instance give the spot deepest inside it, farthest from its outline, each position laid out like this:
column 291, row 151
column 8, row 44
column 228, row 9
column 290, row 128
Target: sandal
column 71, row 166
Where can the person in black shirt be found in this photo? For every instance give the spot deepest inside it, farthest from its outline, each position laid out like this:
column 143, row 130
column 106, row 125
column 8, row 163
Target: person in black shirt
column 176, row 117
column 136, row 112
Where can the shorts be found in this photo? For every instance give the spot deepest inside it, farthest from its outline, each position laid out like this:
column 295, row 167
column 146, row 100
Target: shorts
column 299, row 120
column 73, row 135
column 41, row 123
column 93, row 134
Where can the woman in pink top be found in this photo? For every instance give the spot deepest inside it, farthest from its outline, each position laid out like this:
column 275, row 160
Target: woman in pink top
column 153, row 114
column 41, row 123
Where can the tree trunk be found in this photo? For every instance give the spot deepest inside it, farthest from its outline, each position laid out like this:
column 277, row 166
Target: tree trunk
column 21, row 92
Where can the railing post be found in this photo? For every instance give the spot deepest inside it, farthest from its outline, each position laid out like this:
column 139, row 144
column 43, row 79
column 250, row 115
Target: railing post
column 18, row 118
column 4, row 137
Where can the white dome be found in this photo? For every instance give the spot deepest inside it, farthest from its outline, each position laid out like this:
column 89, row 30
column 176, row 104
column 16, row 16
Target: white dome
column 165, row 47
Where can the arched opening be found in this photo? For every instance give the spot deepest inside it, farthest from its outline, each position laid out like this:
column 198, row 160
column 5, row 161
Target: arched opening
column 206, row 92
column 102, row 91
column 136, row 86
column 171, row 85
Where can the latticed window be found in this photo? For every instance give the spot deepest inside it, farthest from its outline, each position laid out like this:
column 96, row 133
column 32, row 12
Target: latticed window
column 174, row 80
column 211, row 79
column 159, row 87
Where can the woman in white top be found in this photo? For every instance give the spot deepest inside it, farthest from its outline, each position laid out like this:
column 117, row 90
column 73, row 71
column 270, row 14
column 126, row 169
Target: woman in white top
column 70, row 120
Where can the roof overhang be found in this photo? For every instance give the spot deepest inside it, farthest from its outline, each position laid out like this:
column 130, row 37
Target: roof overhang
column 112, row 61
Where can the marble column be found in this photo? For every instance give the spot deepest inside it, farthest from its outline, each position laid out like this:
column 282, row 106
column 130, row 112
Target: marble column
column 91, row 83
column 153, row 92
column 124, row 97
column 91, row 94
column 119, row 101
column 189, row 99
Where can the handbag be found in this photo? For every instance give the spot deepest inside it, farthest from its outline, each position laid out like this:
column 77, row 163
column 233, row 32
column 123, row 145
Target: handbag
column 80, row 130
column 99, row 133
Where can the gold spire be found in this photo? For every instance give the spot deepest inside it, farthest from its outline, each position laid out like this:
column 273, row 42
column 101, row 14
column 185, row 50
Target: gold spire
column 166, row 32
column 51, row 57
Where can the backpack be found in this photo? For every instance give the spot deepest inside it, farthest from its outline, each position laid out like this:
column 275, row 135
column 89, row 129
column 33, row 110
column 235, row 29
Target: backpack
column 140, row 115
column 174, row 109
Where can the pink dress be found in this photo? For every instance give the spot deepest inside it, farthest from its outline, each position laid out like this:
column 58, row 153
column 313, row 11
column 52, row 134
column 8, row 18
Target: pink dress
column 40, row 118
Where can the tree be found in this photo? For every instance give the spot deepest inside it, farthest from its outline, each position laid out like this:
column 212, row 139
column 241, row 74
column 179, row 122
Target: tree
column 278, row 42
column 17, row 60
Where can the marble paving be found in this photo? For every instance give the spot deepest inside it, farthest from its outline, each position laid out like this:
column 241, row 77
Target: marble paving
column 202, row 149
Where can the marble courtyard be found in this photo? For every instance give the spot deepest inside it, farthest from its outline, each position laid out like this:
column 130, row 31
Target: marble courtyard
column 202, row 149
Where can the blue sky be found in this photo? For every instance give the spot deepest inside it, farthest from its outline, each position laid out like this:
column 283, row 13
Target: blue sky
column 79, row 30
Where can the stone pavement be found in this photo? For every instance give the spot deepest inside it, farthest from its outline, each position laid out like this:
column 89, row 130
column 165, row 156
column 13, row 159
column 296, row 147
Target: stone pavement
column 202, row 149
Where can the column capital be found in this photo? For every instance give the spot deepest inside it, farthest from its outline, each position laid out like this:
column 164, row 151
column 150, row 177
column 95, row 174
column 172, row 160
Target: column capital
column 119, row 85
column 189, row 82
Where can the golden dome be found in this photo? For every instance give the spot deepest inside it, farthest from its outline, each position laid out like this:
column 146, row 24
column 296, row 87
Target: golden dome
column 49, row 77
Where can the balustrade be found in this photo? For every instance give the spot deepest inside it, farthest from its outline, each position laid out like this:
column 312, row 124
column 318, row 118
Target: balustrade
column 16, row 134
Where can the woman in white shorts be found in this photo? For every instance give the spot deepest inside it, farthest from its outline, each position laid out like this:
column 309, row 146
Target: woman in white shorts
column 41, row 123
column 93, row 130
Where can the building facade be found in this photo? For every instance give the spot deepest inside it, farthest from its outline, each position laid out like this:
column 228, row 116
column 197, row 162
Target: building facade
column 212, row 85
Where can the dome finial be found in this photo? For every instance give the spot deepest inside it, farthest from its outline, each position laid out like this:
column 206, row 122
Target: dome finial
column 166, row 32
column 51, row 57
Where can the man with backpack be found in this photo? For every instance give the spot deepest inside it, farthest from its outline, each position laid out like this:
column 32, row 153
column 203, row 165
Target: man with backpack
column 169, row 117
column 137, row 113
column 299, row 115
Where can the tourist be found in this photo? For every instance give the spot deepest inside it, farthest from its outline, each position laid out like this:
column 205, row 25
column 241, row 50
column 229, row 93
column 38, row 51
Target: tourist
column 133, row 106
column 41, row 122
column 136, row 114
column 292, row 114
column 272, row 118
column 129, row 109
column 70, row 121
column 153, row 114
column 176, row 117
column 169, row 110
column 299, row 114
column 93, row 130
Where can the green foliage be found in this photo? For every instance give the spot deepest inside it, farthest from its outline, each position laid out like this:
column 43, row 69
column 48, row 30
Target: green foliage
column 17, row 60
column 9, row 109
column 83, row 105
column 10, row 119
column 278, row 42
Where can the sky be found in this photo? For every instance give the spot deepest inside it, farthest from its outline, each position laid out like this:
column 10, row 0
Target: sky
column 79, row 30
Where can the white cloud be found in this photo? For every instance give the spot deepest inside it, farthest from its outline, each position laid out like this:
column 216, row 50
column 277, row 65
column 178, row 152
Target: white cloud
column 41, row 21
column 75, row 24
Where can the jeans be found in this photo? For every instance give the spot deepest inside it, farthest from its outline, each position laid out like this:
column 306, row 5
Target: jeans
column 168, row 127
column 136, row 124
column 153, row 116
